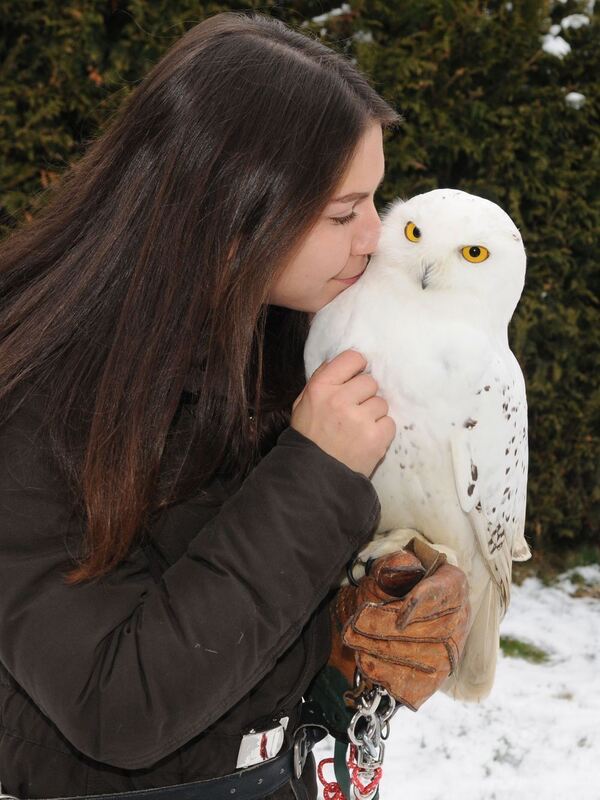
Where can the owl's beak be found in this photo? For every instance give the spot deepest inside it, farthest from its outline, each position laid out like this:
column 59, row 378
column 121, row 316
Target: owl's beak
column 425, row 276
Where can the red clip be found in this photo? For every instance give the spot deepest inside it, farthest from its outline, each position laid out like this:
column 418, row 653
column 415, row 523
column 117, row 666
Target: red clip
column 332, row 790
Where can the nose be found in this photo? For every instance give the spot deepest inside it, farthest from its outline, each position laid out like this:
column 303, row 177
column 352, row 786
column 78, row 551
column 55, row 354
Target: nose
column 366, row 239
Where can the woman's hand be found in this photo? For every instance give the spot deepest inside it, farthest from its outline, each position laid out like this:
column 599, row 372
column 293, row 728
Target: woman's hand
column 339, row 410
column 405, row 624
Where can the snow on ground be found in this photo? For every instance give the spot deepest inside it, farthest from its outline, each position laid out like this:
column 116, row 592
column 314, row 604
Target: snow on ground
column 536, row 736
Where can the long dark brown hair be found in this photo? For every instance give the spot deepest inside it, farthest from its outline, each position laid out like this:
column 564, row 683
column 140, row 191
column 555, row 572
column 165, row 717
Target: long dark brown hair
column 147, row 270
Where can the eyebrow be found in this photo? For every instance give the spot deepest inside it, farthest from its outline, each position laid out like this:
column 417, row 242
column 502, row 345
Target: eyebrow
column 355, row 195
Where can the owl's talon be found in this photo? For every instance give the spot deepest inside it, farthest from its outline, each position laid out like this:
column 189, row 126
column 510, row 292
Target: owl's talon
column 369, row 564
column 349, row 570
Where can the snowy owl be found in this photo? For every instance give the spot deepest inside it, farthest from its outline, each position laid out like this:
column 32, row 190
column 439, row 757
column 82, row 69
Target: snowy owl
column 430, row 315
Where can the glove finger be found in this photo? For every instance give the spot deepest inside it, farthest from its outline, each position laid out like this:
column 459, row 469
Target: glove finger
column 397, row 573
column 381, row 620
column 446, row 588
column 445, row 591
column 381, row 623
column 409, row 686
column 369, row 591
column 423, row 656
column 390, row 577
column 429, row 607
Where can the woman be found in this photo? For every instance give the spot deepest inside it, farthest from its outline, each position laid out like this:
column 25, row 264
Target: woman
column 176, row 505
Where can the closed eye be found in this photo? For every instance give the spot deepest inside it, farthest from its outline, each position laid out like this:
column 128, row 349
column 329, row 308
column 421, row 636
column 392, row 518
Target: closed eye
column 358, row 196
column 344, row 220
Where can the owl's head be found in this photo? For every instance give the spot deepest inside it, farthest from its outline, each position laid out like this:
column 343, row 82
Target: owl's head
column 455, row 242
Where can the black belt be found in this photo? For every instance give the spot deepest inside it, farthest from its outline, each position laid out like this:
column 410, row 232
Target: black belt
column 250, row 783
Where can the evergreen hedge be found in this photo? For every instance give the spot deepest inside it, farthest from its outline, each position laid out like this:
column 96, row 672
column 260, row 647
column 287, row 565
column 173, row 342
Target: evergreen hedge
column 486, row 110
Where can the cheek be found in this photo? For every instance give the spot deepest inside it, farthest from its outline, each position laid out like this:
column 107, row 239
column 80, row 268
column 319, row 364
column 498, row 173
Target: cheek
column 332, row 251
column 324, row 255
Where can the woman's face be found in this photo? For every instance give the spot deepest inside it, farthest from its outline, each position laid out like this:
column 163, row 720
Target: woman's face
column 339, row 245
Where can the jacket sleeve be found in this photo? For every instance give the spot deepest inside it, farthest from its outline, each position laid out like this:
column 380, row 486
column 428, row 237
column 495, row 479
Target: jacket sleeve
column 130, row 669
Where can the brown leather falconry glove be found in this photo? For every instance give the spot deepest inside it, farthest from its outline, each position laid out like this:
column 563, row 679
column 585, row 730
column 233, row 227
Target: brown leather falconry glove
column 404, row 625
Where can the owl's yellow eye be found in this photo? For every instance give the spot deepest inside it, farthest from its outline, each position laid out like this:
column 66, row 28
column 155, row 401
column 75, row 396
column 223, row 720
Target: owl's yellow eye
column 475, row 253
column 412, row 233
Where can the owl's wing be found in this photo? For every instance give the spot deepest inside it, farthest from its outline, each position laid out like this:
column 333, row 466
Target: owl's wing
column 490, row 460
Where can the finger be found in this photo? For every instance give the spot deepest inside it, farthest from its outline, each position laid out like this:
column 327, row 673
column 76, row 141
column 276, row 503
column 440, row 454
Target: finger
column 320, row 368
column 433, row 603
column 388, row 425
column 343, row 367
column 369, row 591
column 376, row 406
column 380, row 621
column 397, row 580
column 359, row 388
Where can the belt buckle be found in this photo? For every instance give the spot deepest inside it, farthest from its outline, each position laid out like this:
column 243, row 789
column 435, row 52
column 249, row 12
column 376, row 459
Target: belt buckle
column 301, row 751
column 258, row 746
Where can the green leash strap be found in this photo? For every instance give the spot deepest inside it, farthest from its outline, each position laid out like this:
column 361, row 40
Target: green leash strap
column 327, row 691
column 342, row 775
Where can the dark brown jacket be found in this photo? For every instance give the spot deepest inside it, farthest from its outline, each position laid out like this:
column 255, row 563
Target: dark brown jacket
column 214, row 625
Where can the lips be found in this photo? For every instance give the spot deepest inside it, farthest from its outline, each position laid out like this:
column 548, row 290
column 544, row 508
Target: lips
column 353, row 278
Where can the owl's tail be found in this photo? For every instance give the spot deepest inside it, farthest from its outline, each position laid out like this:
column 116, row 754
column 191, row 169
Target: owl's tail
column 474, row 677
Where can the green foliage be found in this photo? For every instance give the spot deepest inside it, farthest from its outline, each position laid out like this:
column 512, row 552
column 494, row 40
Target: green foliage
column 65, row 68
column 515, row 648
column 485, row 111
